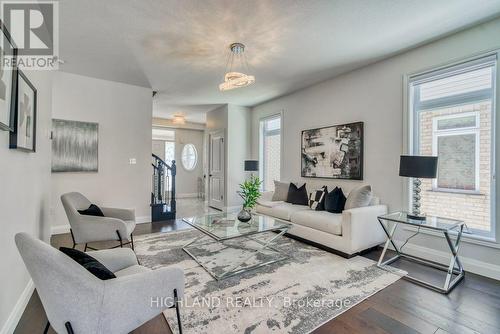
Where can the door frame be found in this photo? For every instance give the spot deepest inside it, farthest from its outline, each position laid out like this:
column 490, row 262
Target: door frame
column 221, row 132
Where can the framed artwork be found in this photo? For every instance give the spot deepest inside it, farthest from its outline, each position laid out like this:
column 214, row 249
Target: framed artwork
column 74, row 146
column 8, row 78
column 334, row 152
column 24, row 135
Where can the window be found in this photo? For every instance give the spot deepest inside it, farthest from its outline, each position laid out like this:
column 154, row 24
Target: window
column 169, row 156
column 270, row 151
column 451, row 116
column 189, row 157
column 456, row 143
column 169, row 151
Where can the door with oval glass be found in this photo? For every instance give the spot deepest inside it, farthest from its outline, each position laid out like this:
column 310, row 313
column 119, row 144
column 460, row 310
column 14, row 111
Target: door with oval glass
column 216, row 180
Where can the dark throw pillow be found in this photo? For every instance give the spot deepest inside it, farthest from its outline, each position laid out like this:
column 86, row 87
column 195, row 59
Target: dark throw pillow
column 93, row 210
column 296, row 195
column 89, row 263
column 317, row 199
column 335, row 201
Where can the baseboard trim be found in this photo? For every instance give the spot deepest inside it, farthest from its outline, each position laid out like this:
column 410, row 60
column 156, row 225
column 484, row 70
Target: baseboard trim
column 470, row 264
column 143, row 219
column 186, row 195
column 59, row 229
column 14, row 317
column 63, row 229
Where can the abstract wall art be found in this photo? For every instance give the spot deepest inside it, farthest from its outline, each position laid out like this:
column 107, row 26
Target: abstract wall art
column 8, row 78
column 74, row 146
column 24, row 135
column 334, row 152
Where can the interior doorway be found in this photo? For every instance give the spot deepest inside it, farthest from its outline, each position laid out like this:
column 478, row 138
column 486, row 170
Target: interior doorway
column 216, row 161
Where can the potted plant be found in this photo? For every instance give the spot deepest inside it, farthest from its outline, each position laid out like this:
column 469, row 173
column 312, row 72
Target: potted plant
column 250, row 192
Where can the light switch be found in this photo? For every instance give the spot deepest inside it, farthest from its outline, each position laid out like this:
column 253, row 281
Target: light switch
column 132, row 161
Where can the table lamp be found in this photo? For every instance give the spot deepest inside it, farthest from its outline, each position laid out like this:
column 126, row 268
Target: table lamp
column 417, row 167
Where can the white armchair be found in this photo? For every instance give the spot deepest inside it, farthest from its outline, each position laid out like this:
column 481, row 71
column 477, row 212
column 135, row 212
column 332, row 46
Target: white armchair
column 118, row 224
column 76, row 301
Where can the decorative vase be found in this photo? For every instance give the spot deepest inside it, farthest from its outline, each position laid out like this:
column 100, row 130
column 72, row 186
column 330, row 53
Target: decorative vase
column 244, row 215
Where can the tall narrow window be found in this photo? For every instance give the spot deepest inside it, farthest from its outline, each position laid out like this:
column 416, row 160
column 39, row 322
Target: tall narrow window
column 452, row 117
column 270, row 151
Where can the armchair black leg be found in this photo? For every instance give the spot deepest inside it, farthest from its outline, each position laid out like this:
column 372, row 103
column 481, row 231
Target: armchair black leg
column 120, row 238
column 177, row 311
column 69, row 328
column 46, row 330
column 85, row 249
column 132, row 241
column 73, row 238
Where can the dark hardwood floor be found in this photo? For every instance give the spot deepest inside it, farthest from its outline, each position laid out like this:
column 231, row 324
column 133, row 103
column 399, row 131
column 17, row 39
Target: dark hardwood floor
column 402, row 308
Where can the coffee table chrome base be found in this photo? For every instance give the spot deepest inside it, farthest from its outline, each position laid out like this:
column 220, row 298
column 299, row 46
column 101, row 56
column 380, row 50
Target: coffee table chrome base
column 233, row 270
column 455, row 267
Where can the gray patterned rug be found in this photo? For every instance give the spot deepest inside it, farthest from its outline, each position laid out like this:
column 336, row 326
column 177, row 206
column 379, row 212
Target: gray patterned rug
column 295, row 295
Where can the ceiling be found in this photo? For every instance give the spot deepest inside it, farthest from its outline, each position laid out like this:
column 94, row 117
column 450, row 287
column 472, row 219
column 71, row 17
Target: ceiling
column 179, row 47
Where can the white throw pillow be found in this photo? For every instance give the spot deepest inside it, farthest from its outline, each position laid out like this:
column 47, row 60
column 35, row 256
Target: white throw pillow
column 359, row 197
column 280, row 191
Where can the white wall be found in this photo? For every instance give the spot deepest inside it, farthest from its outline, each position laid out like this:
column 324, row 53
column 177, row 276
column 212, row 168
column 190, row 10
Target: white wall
column 374, row 95
column 236, row 121
column 238, row 150
column 124, row 114
column 24, row 203
column 186, row 182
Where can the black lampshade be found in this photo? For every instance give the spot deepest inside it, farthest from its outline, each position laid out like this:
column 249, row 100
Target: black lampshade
column 251, row 165
column 418, row 166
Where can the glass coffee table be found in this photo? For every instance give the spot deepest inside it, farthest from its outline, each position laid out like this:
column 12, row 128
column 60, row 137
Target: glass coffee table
column 228, row 247
column 454, row 271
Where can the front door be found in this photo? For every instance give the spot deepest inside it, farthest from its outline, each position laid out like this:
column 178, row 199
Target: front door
column 216, row 180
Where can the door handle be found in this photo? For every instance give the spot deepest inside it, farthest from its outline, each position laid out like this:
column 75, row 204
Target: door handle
column 210, row 175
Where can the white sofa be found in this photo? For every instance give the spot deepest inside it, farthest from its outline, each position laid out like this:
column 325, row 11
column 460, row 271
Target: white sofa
column 347, row 233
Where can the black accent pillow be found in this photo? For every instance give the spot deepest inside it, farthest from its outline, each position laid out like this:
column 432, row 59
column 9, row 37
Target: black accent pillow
column 296, row 195
column 93, row 210
column 89, row 263
column 317, row 199
column 335, row 201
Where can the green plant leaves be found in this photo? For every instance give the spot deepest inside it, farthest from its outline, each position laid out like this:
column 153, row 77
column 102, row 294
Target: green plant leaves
column 250, row 191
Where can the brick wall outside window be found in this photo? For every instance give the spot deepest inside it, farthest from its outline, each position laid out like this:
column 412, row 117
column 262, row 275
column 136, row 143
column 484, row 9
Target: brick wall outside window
column 474, row 209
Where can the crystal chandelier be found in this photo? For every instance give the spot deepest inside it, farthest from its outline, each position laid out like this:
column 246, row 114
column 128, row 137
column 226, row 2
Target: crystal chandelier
column 236, row 59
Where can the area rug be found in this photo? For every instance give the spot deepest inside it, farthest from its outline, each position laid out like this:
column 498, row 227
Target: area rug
column 296, row 295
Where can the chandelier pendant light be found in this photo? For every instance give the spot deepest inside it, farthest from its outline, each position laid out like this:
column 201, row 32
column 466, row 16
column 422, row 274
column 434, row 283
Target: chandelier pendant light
column 236, row 61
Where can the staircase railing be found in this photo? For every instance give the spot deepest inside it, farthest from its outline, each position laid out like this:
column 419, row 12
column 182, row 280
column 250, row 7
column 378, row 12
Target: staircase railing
column 163, row 205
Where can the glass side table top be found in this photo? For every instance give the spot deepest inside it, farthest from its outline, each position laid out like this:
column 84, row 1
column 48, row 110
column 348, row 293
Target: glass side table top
column 225, row 226
column 431, row 222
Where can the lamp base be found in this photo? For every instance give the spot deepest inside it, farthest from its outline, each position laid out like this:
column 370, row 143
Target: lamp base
column 416, row 217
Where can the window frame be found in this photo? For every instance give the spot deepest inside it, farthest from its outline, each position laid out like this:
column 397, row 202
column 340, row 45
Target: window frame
column 474, row 130
column 410, row 136
column 195, row 153
column 262, row 163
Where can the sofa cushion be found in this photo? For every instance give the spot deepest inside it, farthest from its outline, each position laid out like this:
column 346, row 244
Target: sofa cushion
column 135, row 269
column 280, row 191
column 93, row 210
column 282, row 211
column 317, row 199
column 88, row 262
column 297, row 195
column 359, row 197
column 269, row 204
column 319, row 220
column 335, row 201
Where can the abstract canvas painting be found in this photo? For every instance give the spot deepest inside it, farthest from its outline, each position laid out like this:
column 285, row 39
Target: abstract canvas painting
column 74, row 146
column 24, row 135
column 334, row 152
column 7, row 81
